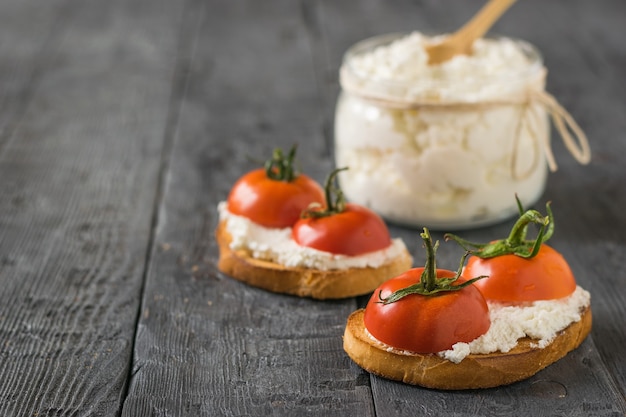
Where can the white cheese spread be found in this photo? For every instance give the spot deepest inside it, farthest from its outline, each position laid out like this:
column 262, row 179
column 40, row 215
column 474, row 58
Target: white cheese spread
column 449, row 145
column 539, row 320
column 277, row 245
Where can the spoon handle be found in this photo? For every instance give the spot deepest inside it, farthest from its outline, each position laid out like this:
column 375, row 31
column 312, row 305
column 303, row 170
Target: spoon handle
column 483, row 20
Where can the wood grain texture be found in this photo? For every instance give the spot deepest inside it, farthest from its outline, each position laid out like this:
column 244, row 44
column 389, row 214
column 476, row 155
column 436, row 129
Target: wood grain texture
column 83, row 126
column 214, row 342
column 123, row 123
column 207, row 344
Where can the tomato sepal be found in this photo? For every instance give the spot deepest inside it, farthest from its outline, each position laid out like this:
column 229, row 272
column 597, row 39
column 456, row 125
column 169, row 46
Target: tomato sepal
column 280, row 167
column 516, row 243
column 430, row 284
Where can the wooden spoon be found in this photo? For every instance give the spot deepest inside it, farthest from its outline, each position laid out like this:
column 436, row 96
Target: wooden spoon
column 461, row 41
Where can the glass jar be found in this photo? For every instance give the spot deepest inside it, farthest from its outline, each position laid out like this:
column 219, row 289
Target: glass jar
column 448, row 149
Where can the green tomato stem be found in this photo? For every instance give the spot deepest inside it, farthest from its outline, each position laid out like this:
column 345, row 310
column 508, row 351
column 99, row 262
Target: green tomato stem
column 429, row 275
column 430, row 284
column 516, row 243
column 335, row 199
column 281, row 167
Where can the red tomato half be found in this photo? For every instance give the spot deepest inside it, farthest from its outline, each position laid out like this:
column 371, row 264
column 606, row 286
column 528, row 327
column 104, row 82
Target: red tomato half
column 273, row 203
column 355, row 231
column 426, row 323
column 546, row 276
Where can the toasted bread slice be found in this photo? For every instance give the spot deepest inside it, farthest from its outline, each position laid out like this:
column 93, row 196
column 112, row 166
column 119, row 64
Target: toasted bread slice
column 304, row 282
column 475, row 371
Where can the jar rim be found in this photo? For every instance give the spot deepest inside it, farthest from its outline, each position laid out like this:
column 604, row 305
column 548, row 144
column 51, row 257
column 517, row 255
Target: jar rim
column 523, row 75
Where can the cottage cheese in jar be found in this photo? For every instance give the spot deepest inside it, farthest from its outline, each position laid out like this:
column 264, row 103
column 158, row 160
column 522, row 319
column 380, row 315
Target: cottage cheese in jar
column 446, row 146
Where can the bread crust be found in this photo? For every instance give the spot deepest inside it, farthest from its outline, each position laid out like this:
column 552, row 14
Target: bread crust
column 475, row 371
column 303, row 282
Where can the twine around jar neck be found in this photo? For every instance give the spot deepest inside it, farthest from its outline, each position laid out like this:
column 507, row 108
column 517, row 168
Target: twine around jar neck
column 577, row 144
column 571, row 133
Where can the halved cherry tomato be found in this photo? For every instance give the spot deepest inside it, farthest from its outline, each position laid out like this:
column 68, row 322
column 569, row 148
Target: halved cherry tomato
column 521, row 270
column 276, row 195
column 341, row 228
column 354, row 231
column 427, row 310
column 512, row 279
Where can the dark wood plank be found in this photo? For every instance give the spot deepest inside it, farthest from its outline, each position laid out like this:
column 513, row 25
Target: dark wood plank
column 22, row 53
column 208, row 345
column 87, row 85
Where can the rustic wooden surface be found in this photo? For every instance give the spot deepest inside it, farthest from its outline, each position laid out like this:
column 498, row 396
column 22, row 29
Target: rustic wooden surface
column 123, row 124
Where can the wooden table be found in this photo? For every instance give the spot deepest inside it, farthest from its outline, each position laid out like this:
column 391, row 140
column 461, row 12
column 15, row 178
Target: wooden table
column 124, row 123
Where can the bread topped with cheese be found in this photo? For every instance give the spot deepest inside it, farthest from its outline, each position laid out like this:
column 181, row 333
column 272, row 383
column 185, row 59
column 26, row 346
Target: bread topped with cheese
column 281, row 231
column 271, row 260
column 475, row 370
column 511, row 311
